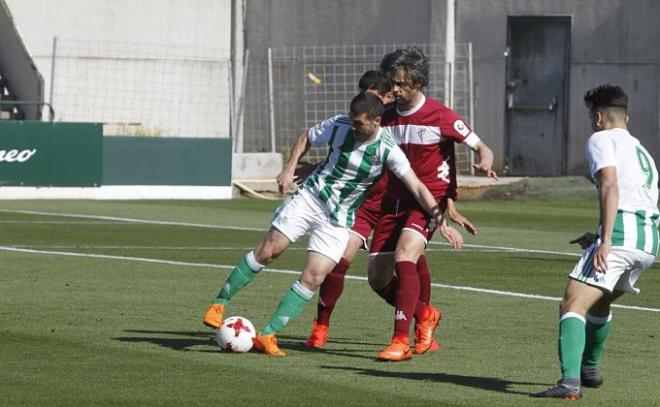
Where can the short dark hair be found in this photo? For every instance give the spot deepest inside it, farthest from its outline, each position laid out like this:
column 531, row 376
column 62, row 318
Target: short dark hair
column 606, row 96
column 410, row 60
column 367, row 103
column 376, row 80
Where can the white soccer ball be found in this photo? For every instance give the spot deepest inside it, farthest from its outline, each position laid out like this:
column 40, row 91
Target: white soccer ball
column 236, row 334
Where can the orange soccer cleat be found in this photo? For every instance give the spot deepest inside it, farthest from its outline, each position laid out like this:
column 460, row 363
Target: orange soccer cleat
column 268, row 344
column 318, row 337
column 424, row 328
column 213, row 316
column 435, row 346
column 396, row 351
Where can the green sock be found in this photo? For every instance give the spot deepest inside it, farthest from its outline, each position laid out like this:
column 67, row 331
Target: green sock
column 240, row 276
column 597, row 331
column 289, row 308
column 571, row 344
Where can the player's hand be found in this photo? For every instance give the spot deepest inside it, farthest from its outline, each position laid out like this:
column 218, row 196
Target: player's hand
column 285, row 181
column 457, row 217
column 452, row 236
column 486, row 170
column 600, row 257
column 303, row 170
column 585, row 240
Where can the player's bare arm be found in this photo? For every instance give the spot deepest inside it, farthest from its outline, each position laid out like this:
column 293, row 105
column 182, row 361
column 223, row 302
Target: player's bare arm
column 486, row 158
column 458, row 218
column 608, row 196
column 286, row 177
column 423, row 196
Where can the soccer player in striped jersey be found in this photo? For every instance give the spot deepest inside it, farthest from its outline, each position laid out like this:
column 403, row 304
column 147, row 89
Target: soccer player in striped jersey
column 378, row 83
column 627, row 241
column 324, row 207
column 426, row 131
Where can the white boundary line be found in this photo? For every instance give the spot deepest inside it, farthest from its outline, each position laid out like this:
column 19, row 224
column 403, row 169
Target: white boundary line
column 207, row 226
column 132, row 220
column 294, row 272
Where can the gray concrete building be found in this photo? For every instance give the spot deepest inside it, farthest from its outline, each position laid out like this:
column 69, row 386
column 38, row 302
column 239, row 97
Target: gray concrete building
column 533, row 60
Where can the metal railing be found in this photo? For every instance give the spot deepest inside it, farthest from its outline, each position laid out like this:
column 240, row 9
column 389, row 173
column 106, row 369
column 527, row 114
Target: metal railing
column 51, row 111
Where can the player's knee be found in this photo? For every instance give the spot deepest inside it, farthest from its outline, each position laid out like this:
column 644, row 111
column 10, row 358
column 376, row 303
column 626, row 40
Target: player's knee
column 572, row 305
column 406, row 254
column 312, row 281
column 600, row 310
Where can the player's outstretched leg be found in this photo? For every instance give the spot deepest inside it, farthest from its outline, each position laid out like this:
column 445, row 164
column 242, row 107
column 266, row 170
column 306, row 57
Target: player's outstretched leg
column 329, row 293
column 288, row 309
column 241, row 275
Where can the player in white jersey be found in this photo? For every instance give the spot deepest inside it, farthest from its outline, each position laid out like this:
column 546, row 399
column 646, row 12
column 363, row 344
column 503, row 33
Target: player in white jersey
column 324, row 207
column 626, row 245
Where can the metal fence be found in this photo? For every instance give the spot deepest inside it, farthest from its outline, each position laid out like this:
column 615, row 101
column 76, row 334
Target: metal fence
column 164, row 90
column 142, row 89
column 293, row 88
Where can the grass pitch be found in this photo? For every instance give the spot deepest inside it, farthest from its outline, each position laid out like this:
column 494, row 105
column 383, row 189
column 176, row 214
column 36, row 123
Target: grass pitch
column 99, row 307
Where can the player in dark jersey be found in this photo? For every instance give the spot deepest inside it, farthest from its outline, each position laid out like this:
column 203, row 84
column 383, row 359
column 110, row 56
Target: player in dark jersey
column 367, row 217
column 426, row 131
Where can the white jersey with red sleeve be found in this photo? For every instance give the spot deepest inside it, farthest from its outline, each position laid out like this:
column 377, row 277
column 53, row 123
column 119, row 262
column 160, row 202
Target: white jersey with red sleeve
column 427, row 133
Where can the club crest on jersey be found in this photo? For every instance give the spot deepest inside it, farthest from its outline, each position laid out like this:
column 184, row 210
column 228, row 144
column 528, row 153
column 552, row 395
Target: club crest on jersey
column 461, row 128
column 374, row 159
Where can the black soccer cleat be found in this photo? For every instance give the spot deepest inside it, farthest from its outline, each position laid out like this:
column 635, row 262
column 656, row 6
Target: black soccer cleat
column 561, row 391
column 591, row 377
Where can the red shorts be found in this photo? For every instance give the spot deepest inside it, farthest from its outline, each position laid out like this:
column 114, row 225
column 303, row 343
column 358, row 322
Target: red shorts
column 365, row 221
column 392, row 223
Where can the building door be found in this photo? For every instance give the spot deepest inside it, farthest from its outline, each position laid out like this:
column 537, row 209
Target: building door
column 538, row 50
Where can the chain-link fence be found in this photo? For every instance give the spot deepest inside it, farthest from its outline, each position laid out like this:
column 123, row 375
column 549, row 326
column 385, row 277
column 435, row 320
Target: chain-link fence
column 312, row 83
column 163, row 90
column 142, row 89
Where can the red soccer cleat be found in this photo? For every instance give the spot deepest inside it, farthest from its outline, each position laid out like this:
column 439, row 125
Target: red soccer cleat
column 424, row 328
column 318, row 337
column 396, row 351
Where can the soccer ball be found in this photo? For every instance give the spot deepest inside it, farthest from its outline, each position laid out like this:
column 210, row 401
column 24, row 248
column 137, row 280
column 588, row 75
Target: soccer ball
column 236, row 334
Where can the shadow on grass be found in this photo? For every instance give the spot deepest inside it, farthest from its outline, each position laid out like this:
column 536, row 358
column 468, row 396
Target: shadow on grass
column 175, row 340
column 484, row 383
column 191, row 340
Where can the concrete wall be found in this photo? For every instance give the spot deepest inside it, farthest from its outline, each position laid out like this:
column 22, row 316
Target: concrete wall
column 157, row 25
column 277, row 23
column 612, row 41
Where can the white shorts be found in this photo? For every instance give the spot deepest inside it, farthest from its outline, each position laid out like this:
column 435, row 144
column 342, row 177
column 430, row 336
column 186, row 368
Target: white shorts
column 302, row 214
column 624, row 267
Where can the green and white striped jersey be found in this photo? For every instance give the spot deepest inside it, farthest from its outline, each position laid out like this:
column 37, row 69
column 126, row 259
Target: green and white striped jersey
column 351, row 168
column 636, row 223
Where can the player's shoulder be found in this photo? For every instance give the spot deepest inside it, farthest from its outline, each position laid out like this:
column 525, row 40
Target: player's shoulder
column 386, row 138
column 611, row 135
column 342, row 119
column 437, row 112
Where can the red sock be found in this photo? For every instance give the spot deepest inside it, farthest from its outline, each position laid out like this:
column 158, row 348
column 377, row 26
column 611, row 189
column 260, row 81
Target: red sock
column 424, row 286
column 424, row 280
column 407, row 297
column 388, row 293
column 330, row 291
